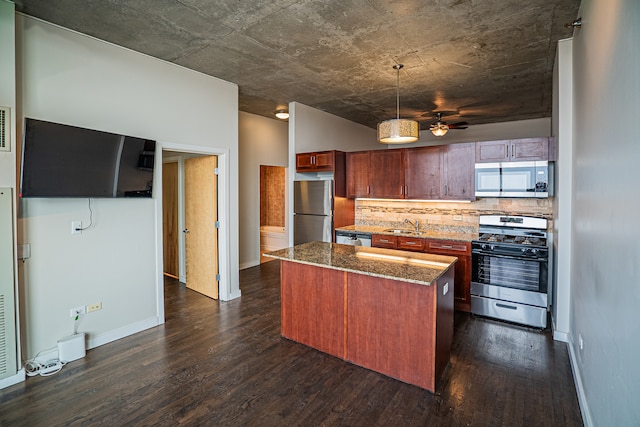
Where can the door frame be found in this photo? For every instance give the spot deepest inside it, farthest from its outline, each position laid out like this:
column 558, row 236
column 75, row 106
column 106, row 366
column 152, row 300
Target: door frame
column 227, row 277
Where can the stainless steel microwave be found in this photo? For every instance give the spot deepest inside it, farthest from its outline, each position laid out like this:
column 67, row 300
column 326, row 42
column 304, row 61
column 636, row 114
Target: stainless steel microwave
column 514, row 179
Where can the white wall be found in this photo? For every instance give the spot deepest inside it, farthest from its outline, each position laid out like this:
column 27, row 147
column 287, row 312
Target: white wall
column 74, row 79
column 605, row 289
column 8, row 89
column 262, row 141
column 563, row 132
column 532, row 128
column 311, row 129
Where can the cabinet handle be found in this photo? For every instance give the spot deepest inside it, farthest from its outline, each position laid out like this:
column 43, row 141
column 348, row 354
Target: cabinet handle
column 510, row 307
column 384, row 241
column 313, row 160
column 401, row 190
column 410, row 243
column 368, row 189
column 445, row 189
column 513, row 150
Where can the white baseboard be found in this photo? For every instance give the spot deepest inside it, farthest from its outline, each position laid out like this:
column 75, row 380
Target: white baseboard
column 14, row 379
column 561, row 336
column 249, row 264
column 232, row 296
column 104, row 338
column 577, row 379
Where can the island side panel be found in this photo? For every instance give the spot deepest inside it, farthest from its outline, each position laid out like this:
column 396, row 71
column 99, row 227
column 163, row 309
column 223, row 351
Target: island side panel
column 391, row 328
column 312, row 306
column 444, row 322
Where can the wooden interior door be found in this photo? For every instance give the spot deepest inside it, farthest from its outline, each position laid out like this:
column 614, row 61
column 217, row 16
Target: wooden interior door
column 170, row 218
column 200, row 216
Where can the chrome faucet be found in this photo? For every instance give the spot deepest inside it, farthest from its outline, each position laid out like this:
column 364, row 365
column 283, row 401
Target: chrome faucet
column 417, row 224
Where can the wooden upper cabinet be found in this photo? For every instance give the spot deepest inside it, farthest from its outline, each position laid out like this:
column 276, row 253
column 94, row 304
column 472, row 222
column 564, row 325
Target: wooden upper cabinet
column 530, row 149
column 442, row 172
column 423, row 172
column 492, row 151
column 512, row 150
column 458, row 172
column 358, row 174
column 386, row 173
column 322, row 161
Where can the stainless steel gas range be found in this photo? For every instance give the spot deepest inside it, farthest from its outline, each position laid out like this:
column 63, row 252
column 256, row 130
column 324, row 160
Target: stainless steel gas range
column 510, row 277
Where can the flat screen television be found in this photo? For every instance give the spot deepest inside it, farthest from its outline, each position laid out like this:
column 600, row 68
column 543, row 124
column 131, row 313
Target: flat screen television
column 67, row 161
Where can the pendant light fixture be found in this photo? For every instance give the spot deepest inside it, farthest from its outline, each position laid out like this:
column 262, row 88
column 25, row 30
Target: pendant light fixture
column 398, row 131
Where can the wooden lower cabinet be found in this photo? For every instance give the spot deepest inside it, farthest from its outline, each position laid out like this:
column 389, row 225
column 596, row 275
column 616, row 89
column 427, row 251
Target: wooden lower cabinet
column 313, row 310
column 405, row 243
column 461, row 250
column 394, row 328
column 400, row 329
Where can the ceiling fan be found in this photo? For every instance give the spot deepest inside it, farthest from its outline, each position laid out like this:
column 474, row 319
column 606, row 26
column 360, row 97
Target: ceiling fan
column 440, row 128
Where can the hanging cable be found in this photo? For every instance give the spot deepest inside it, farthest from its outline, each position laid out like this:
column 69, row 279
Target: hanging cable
column 90, row 217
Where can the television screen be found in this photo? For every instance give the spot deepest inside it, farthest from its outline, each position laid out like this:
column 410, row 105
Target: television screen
column 67, row 161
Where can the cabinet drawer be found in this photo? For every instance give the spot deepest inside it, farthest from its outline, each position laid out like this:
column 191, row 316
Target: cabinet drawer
column 448, row 246
column 410, row 243
column 383, row 241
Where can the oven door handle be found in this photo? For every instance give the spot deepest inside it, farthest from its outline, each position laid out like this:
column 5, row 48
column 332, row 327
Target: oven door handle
column 509, row 256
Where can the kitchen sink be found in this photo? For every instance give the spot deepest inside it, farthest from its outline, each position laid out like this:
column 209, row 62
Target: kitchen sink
column 404, row 231
column 398, row 231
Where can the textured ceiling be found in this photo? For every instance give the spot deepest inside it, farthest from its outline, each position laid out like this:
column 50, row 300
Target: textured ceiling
column 481, row 61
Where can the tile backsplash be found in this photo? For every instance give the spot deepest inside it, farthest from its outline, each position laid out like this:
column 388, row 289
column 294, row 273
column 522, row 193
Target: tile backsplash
column 447, row 216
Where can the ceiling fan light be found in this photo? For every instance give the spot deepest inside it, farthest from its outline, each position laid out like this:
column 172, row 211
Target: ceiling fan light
column 398, row 131
column 282, row 114
column 439, row 129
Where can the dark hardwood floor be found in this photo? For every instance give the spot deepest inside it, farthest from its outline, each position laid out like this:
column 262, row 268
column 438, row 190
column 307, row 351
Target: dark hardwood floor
column 225, row 364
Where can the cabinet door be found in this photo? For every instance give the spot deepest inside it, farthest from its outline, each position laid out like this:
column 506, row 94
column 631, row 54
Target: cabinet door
column 458, row 164
column 386, row 177
column 530, row 149
column 304, row 162
column 324, row 161
column 462, row 268
column 358, row 174
column 423, row 172
column 383, row 241
column 493, row 151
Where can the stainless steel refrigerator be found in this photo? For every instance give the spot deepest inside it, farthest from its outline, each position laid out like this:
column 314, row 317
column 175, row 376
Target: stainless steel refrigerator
column 312, row 211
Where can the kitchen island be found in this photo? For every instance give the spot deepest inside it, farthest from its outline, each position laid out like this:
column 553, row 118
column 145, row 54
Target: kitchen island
column 386, row 310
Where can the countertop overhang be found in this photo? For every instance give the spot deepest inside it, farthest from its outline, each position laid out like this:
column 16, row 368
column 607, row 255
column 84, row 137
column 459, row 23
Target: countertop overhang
column 412, row 267
column 460, row 236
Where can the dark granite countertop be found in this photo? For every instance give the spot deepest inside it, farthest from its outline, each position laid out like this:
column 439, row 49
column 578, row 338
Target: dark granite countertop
column 427, row 234
column 413, row 267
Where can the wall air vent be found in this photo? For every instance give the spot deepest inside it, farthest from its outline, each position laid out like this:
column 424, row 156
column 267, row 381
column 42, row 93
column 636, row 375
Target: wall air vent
column 5, row 125
column 3, row 338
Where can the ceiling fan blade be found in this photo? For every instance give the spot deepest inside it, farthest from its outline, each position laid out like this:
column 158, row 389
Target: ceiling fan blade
column 459, row 125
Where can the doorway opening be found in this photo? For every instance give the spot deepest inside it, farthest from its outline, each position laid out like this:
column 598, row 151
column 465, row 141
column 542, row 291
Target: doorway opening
column 272, row 209
column 190, row 218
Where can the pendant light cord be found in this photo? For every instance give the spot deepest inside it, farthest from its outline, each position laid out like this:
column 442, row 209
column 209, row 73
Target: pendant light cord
column 398, row 67
column 398, row 96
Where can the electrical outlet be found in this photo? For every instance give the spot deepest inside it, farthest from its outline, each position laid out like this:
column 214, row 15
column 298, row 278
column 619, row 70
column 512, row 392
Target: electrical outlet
column 76, row 311
column 445, row 288
column 580, row 342
column 94, row 307
column 76, row 227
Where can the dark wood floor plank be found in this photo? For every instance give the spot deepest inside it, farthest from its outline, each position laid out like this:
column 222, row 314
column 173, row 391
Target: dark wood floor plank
column 225, row 364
